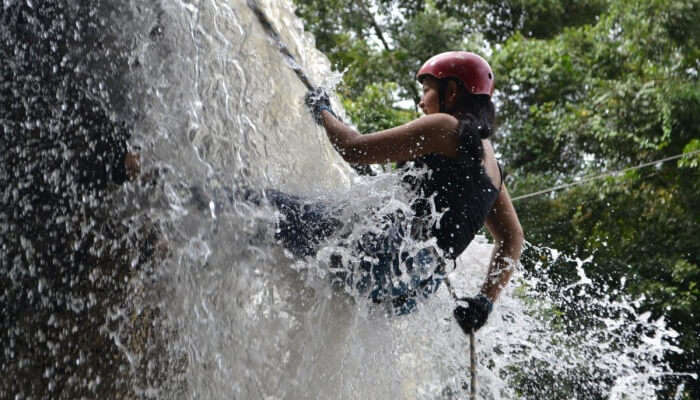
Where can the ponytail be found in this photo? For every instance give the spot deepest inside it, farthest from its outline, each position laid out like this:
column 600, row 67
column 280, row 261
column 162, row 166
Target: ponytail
column 477, row 125
column 479, row 108
column 479, row 117
column 482, row 112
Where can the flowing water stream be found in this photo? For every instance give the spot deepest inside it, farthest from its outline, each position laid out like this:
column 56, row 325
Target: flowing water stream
column 171, row 285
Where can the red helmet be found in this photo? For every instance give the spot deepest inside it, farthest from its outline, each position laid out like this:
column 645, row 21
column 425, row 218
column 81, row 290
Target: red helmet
column 469, row 68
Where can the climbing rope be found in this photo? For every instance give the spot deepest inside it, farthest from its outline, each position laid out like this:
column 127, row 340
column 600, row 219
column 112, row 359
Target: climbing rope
column 588, row 179
column 472, row 345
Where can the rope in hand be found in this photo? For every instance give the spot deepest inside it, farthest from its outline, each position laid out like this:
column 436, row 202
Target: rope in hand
column 472, row 346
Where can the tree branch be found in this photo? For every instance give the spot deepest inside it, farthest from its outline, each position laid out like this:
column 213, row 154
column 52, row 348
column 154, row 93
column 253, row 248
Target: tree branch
column 374, row 24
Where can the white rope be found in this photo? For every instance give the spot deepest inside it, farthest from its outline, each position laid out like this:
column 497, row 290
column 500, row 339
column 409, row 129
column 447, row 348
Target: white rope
column 584, row 180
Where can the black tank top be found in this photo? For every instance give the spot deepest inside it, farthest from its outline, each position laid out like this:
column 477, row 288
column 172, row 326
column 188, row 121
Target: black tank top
column 459, row 189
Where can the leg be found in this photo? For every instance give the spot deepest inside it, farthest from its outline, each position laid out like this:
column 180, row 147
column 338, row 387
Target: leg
column 304, row 226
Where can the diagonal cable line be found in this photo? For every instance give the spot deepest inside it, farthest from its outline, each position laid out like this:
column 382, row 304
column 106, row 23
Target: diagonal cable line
column 584, row 180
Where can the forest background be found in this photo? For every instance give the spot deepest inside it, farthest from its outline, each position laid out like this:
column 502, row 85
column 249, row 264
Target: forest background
column 583, row 88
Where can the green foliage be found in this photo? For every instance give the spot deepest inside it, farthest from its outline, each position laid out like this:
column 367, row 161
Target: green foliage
column 374, row 110
column 612, row 91
column 610, row 95
column 583, row 87
column 371, row 53
column 499, row 20
column 641, row 228
column 692, row 158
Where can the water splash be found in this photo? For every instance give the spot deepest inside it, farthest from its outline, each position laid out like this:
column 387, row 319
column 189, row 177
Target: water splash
column 169, row 285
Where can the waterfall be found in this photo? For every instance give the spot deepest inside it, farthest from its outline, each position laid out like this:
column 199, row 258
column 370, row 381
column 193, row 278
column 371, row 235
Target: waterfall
column 170, row 284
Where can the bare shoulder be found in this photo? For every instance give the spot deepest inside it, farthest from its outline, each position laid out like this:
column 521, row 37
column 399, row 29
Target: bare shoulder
column 439, row 122
column 438, row 133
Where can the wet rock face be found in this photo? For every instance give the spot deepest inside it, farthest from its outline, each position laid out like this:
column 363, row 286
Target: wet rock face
column 65, row 256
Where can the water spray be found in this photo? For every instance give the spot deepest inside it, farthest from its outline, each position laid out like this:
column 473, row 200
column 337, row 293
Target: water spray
column 296, row 67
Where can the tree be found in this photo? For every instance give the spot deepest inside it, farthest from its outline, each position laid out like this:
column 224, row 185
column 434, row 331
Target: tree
column 608, row 96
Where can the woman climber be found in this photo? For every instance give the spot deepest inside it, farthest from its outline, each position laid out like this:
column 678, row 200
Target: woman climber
column 463, row 184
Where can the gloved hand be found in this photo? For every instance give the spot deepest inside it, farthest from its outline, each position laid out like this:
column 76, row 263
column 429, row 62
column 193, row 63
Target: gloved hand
column 472, row 312
column 318, row 100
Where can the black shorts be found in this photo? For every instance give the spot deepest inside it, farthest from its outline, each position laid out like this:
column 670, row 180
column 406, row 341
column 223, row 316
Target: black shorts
column 381, row 266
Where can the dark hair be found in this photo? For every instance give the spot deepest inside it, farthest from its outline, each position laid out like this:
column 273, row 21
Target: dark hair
column 483, row 117
column 481, row 112
column 479, row 121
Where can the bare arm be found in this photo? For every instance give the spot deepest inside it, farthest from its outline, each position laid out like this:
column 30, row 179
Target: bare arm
column 430, row 134
column 503, row 224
